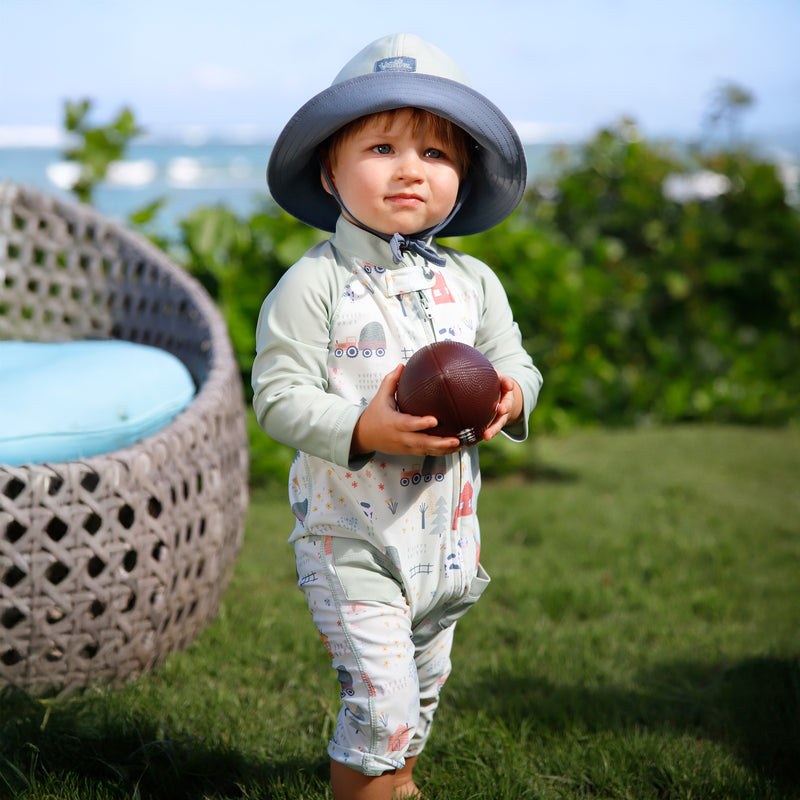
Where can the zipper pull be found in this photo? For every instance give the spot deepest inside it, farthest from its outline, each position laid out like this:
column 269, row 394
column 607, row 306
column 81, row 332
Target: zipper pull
column 425, row 305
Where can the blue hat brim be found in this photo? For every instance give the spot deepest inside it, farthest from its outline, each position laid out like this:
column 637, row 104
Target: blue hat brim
column 499, row 171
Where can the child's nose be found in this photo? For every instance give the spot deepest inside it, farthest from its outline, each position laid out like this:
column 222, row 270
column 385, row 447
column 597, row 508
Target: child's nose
column 409, row 165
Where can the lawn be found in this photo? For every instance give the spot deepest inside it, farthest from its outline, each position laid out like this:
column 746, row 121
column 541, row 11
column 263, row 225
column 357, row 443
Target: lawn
column 640, row 639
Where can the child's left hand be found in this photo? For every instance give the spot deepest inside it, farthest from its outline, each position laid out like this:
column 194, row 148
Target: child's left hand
column 509, row 407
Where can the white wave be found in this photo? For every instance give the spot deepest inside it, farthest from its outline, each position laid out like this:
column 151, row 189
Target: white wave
column 184, row 171
column 63, row 174
column 132, row 173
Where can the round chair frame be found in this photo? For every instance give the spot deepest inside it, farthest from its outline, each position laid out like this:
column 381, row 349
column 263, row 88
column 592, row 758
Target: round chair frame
column 108, row 563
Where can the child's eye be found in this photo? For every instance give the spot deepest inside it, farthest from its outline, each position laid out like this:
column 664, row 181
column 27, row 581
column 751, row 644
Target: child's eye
column 383, row 149
column 434, row 152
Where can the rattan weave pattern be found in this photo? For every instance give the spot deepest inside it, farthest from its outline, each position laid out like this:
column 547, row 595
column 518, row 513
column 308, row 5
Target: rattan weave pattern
column 109, row 563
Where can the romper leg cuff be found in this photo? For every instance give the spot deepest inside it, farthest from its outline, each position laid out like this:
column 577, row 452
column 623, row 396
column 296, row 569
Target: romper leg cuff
column 366, row 763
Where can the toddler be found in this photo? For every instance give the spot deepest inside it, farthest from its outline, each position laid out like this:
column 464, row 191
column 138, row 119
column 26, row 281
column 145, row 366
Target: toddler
column 397, row 150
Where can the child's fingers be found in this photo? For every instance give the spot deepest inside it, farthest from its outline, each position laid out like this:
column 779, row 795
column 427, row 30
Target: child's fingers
column 495, row 427
column 424, row 444
column 388, row 385
column 412, row 424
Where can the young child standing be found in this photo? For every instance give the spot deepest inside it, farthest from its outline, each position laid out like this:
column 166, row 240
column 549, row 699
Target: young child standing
column 398, row 149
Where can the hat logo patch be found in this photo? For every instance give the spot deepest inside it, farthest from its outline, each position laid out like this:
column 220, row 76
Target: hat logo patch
column 396, row 64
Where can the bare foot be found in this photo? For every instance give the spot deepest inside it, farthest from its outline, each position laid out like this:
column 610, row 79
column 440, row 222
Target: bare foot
column 406, row 790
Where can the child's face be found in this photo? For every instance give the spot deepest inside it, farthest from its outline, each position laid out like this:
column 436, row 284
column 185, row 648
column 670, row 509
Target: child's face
column 394, row 180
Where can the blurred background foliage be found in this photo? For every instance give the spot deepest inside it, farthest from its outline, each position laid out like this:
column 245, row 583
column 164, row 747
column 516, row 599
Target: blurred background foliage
column 639, row 307
column 653, row 284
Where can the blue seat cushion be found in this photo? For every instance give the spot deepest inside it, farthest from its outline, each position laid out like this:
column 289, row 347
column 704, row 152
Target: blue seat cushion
column 70, row 400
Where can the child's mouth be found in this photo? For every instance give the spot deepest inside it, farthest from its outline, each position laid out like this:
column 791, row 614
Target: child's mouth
column 405, row 199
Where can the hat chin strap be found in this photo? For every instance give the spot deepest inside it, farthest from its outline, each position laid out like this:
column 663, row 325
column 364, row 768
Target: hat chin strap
column 398, row 242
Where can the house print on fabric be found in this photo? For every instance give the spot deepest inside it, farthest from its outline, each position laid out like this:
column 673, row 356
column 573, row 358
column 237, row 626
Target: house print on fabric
column 464, row 508
column 440, row 291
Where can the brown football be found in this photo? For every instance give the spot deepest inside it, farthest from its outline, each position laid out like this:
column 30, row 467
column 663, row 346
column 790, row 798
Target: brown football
column 454, row 383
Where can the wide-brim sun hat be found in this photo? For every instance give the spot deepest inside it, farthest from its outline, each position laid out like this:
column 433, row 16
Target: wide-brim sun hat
column 400, row 71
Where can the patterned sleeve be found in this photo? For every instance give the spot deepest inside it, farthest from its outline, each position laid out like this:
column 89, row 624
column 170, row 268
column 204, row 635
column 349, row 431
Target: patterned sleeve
column 499, row 339
column 290, row 369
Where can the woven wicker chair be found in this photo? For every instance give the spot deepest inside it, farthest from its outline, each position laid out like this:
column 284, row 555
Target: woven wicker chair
column 109, row 563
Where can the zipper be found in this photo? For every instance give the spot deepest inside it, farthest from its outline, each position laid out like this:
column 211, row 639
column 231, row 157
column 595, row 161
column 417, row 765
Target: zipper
column 426, row 308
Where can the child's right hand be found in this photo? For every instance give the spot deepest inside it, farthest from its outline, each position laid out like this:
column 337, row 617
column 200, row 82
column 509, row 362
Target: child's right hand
column 383, row 428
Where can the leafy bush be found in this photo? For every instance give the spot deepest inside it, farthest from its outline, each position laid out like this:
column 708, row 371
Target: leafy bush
column 239, row 261
column 637, row 305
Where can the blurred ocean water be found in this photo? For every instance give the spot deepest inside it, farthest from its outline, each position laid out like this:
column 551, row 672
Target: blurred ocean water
column 186, row 176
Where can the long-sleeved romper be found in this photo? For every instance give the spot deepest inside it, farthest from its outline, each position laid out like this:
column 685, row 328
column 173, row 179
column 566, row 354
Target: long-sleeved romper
column 387, row 546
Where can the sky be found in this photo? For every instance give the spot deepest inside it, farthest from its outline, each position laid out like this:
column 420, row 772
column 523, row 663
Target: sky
column 559, row 69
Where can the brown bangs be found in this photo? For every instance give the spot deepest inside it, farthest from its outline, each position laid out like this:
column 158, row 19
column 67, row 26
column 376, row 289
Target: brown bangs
column 456, row 140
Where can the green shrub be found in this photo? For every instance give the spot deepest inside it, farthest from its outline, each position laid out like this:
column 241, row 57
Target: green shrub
column 239, row 260
column 638, row 307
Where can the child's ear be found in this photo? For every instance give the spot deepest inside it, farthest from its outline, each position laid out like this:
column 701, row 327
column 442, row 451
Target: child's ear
column 324, row 182
column 326, row 176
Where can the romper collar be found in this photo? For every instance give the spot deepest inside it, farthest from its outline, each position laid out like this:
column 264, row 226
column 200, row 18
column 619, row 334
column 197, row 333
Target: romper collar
column 373, row 256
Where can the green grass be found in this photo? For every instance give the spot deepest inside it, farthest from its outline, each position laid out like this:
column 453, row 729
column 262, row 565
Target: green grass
column 640, row 639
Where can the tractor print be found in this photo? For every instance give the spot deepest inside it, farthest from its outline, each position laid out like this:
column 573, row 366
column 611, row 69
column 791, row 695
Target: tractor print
column 413, row 475
column 372, row 339
column 369, row 267
column 348, row 346
column 434, row 468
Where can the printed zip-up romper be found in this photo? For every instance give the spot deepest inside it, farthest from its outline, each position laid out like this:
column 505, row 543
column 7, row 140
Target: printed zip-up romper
column 387, row 547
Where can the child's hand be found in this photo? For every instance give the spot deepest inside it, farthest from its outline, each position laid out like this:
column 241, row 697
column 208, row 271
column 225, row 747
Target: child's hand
column 509, row 407
column 383, row 428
